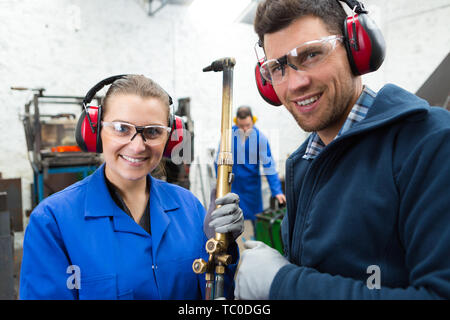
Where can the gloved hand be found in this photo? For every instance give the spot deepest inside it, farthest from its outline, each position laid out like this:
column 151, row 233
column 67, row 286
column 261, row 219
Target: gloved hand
column 258, row 267
column 227, row 218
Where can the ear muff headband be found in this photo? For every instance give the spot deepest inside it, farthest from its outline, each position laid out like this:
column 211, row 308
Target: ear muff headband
column 364, row 44
column 88, row 128
column 99, row 86
column 87, row 133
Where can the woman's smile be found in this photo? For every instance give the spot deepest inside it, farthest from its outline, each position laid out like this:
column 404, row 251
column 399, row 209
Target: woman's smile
column 134, row 161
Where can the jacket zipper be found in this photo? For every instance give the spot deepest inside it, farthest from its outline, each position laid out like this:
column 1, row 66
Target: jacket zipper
column 319, row 165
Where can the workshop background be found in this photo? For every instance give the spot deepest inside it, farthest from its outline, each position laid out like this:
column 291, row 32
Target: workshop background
column 67, row 46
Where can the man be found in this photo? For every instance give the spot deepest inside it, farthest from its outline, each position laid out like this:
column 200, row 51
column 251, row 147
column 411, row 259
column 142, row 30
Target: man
column 251, row 149
column 368, row 211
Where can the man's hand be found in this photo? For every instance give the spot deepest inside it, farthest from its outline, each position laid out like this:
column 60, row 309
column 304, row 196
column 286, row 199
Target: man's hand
column 281, row 198
column 258, row 267
column 228, row 218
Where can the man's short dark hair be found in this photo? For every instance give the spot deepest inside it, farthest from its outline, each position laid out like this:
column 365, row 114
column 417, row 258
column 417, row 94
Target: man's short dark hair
column 274, row 15
column 244, row 112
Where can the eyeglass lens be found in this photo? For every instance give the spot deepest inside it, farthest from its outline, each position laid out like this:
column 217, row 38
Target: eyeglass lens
column 303, row 58
column 126, row 132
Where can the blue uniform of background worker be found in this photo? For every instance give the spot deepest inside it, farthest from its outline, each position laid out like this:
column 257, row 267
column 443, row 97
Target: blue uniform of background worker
column 250, row 150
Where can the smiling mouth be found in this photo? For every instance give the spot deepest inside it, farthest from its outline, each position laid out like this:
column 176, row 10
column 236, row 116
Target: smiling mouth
column 133, row 160
column 308, row 101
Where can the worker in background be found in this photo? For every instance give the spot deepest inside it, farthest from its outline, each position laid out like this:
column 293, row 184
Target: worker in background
column 120, row 233
column 251, row 149
column 368, row 210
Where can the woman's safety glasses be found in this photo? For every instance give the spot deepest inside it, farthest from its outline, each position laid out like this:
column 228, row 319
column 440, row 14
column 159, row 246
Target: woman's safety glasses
column 302, row 58
column 124, row 132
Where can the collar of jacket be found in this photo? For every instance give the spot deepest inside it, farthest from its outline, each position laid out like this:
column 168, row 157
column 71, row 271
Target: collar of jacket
column 99, row 203
column 235, row 128
column 391, row 104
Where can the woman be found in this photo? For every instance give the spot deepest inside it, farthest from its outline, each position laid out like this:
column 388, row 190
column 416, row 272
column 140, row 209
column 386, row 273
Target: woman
column 120, row 233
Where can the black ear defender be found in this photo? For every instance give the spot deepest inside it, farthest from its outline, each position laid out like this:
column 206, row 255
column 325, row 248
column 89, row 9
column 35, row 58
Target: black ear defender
column 87, row 133
column 363, row 42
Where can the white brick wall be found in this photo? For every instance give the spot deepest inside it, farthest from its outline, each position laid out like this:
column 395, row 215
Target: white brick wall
column 67, row 46
column 417, row 35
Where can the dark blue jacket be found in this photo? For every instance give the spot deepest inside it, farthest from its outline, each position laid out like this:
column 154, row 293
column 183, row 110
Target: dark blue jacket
column 376, row 196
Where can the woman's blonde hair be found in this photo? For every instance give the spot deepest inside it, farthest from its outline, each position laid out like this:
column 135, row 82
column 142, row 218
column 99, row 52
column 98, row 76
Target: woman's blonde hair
column 138, row 85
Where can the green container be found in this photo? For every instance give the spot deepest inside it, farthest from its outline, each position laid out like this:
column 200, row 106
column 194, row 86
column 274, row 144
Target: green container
column 268, row 228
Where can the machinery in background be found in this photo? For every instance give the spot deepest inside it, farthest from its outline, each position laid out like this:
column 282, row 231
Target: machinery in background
column 173, row 171
column 7, row 281
column 10, row 222
column 268, row 223
column 55, row 158
column 268, row 227
column 436, row 89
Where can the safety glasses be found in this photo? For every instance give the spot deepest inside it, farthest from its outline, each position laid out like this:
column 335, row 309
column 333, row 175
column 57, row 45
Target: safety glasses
column 124, row 132
column 302, row 58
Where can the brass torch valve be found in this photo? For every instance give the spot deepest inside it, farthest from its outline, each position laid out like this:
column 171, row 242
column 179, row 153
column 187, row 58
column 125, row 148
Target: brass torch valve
column 215, row 247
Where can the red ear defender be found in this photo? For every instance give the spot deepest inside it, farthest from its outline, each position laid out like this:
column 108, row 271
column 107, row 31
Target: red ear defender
column 88, row 128
column 176, row 136
column 364, row 44
column 265, row 88
column 87, row 135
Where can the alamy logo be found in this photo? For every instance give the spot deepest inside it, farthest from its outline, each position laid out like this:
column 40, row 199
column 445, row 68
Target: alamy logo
column 374, row 281
column 74, row 281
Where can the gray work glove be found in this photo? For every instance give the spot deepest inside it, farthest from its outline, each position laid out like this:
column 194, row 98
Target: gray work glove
column 258, row 267
column 227, row 218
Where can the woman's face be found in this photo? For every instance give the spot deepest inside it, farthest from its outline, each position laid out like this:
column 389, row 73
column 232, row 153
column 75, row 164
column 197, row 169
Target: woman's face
column 132, row 160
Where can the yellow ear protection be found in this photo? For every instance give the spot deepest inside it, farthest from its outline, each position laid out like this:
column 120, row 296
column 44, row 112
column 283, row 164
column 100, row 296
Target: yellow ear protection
column 254, row 118
column 245, row 112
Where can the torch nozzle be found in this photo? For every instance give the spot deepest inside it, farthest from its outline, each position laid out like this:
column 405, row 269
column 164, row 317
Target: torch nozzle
column 220, row 64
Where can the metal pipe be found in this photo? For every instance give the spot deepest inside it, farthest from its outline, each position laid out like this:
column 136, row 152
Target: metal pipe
column 219, row 286
column 217, row 246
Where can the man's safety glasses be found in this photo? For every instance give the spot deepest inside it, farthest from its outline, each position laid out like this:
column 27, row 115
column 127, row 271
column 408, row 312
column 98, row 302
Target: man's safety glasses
column 302, row 58
column 124, row 132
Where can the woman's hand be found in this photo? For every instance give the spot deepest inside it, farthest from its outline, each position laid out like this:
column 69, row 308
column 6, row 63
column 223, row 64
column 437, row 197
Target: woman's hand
column 228, row 218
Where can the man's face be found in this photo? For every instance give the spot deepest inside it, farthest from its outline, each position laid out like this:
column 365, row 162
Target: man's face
column 319, row 99
column 245, row 124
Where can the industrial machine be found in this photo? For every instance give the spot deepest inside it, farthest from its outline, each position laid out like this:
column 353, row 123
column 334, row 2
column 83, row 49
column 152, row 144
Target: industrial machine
column 54, row 156
column 177, row 172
